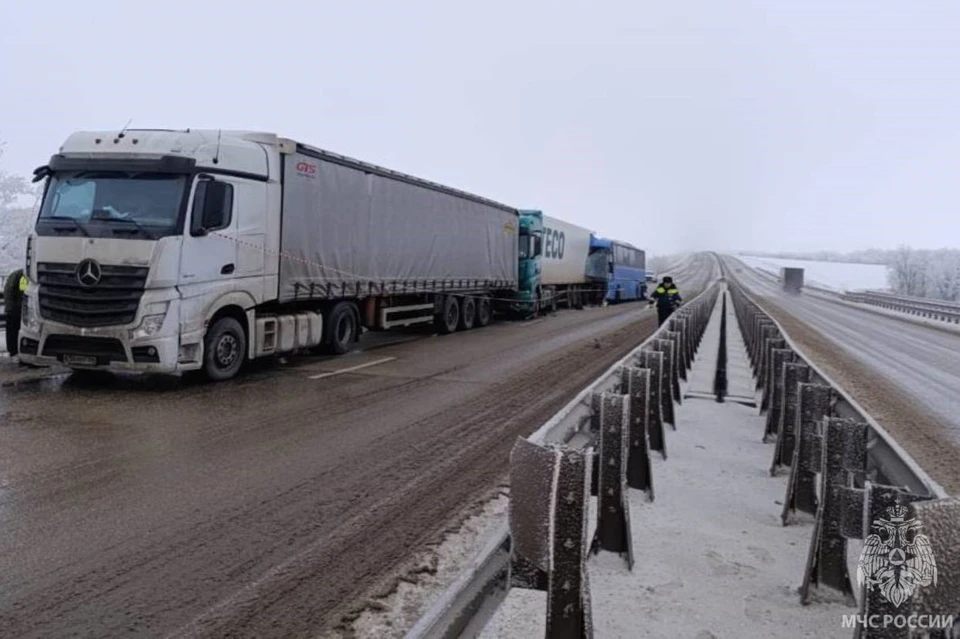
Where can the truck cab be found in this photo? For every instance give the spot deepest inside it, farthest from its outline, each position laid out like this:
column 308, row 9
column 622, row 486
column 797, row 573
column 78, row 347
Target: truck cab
column 148, row 251
column 528, row 293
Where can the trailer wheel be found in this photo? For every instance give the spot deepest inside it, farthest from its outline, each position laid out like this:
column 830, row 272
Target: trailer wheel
column 224, row 349
column 484, row 311
column 449, row 317
column 468, row 313
column 340, row 329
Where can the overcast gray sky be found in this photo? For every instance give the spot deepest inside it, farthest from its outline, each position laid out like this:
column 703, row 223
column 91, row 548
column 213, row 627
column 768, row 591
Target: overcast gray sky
column 675, row 125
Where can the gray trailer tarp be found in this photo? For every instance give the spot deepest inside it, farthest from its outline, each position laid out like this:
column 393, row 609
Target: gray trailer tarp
column 350, row 231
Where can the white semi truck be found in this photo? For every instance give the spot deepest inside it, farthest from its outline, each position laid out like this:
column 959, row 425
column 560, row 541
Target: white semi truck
column 171, row 251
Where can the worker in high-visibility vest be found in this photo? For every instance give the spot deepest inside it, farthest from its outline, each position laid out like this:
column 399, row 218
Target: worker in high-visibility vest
column 13, row 290
column 667, row 298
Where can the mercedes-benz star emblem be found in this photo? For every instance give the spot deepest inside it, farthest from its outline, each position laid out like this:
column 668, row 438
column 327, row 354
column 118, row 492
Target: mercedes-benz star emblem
column 88, row 272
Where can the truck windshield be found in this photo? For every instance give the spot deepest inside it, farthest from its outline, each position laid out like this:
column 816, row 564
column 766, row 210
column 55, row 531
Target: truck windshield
column 113, row 204
column 526, row 246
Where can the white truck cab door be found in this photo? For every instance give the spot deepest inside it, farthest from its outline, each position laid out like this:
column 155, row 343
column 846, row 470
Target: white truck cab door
column 208, row 258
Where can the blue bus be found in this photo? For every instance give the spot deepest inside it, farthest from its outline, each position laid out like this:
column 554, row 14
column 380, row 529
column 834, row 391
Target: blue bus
column 622, row 266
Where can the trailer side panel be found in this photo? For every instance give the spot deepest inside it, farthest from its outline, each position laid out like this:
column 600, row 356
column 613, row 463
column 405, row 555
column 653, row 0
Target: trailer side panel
column 349, row 232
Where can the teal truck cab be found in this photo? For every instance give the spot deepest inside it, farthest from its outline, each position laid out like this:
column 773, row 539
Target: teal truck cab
column 552, row 264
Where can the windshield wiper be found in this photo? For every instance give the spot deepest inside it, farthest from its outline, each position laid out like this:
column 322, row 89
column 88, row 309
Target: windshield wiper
column 139, row 226
column 98, row 214
column 80, row 226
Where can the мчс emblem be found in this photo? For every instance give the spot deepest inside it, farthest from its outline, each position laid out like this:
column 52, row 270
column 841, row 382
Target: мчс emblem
column 89, row 272
column 897, row 559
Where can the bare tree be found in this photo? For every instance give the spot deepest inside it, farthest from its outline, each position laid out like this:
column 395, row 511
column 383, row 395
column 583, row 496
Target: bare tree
column 943, row 275
column 12, row 187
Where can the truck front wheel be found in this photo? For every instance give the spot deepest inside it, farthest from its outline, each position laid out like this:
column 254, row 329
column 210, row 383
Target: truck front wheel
column 224, row 349
column 341, row 329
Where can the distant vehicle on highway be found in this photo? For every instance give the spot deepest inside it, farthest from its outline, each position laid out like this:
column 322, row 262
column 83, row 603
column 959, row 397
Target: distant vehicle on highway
column 791, row 279
column 171, row 251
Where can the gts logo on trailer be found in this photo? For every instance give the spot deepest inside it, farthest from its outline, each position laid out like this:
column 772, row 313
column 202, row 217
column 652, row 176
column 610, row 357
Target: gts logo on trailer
column 307, row 169
column 553, row 243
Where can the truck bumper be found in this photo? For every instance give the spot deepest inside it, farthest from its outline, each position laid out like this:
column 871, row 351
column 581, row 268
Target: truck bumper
column 109, row 348
column 54, row 345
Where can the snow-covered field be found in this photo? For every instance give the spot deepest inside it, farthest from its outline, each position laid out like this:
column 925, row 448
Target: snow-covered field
column 833, row 275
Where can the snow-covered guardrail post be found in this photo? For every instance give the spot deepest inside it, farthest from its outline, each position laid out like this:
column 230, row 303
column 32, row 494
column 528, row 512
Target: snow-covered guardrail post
column 794, row 373
column 844, row 460
column 665, row 347
column 770, row 368
column 550, row 492
column 636, row 384
column 765, row 330
column 683, row 326
column 780, row 357
column 881, row 509
column 678, row 364
column 613, row 512
column 653, row 360
column 939, row 519
column 813, row 406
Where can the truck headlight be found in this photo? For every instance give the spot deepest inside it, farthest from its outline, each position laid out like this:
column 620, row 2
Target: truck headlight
column 152, row 321
column 28, row 318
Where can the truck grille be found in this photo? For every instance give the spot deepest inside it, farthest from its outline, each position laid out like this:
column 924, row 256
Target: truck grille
column 112, row 301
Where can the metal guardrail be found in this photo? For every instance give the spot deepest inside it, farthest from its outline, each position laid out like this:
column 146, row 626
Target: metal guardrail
column 887, row 459
column 469, row 602
column 937, row 310
column 467, row 605
column 848, row 472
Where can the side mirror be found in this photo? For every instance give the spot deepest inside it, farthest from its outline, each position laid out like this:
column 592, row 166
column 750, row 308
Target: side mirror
column 40, row 173
column 212, row 207
column 537, row 245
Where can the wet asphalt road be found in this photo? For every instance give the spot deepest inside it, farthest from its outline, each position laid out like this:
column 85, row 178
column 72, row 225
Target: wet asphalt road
column 273, row 504
column 907, row 374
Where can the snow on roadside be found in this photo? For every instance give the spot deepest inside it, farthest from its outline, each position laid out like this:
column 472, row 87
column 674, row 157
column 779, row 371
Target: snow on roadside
column 838, row 276
column 429, row 573
column 712, row 556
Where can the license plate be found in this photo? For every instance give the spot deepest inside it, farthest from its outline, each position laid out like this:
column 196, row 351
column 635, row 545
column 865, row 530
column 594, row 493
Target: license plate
column 79, row 360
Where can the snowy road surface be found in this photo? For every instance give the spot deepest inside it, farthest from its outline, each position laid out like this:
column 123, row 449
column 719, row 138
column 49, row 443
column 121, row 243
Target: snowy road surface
column 273, row 504
column 907, row 375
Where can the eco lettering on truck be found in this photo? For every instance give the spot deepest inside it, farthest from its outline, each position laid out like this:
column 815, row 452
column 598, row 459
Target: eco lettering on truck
column 553, row 243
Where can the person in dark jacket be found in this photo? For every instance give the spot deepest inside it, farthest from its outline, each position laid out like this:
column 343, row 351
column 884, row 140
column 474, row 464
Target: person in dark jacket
column 667, row 298
column 13, row 291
